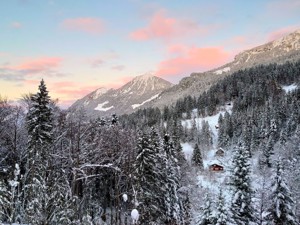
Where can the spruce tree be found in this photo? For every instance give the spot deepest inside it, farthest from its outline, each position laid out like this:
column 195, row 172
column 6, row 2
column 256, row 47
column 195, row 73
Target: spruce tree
column 38, row 168
column 207, row 217
column 281, row 210
column 221, row 216
column 149, row 182
column 172, row 175
column 197, row 157
column 241, row 205
column 268, row 152
column 186, row 205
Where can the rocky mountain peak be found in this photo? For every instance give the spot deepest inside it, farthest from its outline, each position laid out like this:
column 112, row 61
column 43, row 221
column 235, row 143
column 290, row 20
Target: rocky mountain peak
column 131, row 96
column 100, row 91
column 145, row 84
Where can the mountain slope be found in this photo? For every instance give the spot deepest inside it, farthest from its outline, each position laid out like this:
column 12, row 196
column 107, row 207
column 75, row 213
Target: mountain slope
column 130, row 97
column 278, row 51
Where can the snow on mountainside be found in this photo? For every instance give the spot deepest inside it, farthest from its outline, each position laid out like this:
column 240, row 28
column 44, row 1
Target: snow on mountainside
column 126, row 99
column 279, row 51
column 140, row 91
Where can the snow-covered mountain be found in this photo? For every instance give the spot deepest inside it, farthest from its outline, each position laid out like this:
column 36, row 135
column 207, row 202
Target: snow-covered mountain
column 128, row 98
column 279, row 51
column 150, row 91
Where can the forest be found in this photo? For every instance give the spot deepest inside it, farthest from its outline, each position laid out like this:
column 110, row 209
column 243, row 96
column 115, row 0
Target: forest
column 61, row 167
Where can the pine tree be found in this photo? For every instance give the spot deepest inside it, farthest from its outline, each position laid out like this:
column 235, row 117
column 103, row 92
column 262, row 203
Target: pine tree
column 172, row 175
column 197, row 157
column 268, row 152
column 194, row 131
column 38, row 168
column 221, row 215
column 241, row 205
column 207, row 217
column 149, row 181
column 281, row 210
column 187, row 211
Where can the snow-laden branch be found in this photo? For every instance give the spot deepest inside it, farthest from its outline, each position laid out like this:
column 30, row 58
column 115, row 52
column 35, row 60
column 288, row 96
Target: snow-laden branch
column 109, row 165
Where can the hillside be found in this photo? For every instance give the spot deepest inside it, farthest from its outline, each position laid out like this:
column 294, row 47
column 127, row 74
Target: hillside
column 278, row 51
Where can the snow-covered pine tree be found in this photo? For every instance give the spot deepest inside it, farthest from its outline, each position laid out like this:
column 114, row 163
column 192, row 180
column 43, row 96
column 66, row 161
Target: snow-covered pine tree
column 186, row 205
column 207, row 217
column 39, row 126
column 281, row 210
column 197, row 157
column 4, row 201
column 223, row 136
column 172, row 176
column 268, row 152
column 221, row 215
column 194, row 131
column 149, row 182
column 205, row 139
column 241, row 205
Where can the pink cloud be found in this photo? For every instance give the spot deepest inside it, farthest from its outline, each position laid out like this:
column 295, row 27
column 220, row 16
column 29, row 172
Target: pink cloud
column 38, row 65
column 118, row 67
column 193, row 59
column 162, row 27
column 85, row 24
column 97, row 63
column 281, row 32
column 16, row 25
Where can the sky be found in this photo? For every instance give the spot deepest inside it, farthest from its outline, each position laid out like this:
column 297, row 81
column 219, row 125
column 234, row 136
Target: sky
column 78, row 46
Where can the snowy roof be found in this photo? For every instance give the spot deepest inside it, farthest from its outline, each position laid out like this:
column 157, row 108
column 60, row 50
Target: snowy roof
column 220, row 149
column 215, row 161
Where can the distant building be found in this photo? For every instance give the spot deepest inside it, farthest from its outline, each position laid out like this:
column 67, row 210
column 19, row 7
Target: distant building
column 215, row 165
column 220, row 152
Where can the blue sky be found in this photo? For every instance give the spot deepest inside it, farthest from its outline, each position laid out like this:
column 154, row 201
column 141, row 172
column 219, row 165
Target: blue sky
column 78, row 46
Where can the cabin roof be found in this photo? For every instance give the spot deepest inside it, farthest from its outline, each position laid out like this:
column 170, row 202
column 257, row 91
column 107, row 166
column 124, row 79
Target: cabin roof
column 217, row 162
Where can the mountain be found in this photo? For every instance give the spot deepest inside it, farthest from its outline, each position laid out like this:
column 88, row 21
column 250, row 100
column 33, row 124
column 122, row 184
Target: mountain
column 126, row 99
column 150, row 91
column 279, row 51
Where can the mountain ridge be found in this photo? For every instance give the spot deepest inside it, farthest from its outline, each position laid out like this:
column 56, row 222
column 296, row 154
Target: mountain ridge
column 279, row 51
column 126, row 99
column 150, row 91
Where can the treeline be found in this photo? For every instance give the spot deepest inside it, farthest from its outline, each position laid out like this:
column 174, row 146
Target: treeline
column 60, row 168
column 63, row 168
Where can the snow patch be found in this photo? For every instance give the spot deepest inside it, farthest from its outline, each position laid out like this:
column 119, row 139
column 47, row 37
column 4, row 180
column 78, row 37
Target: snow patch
column 224, row 70
column 148, row 100
column 289, row 88
column 188, row 150
column 125, row 197
column 135, row 216
column 100, row 107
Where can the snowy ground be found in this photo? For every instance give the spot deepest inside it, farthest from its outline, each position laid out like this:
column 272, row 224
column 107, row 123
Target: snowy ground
column 208, row 180
column 289, row 88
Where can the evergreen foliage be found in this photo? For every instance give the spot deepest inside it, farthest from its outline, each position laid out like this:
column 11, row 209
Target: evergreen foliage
column 281, row 209
column 241, row 206
column 221, row 215
column 197, row 157
column 207, row 217
column 149, row 179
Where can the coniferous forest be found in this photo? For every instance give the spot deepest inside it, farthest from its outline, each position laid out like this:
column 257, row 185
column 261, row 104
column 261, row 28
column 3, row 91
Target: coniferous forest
column 61, row 167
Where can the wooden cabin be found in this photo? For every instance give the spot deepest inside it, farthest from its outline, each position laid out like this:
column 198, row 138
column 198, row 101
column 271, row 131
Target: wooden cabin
column 220, row 152
column 216, row 167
